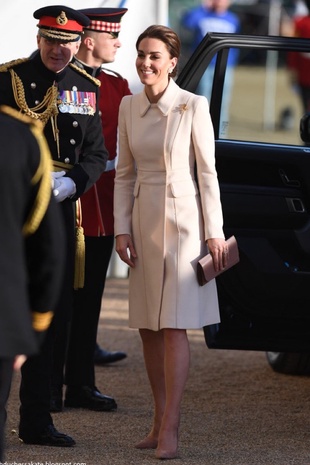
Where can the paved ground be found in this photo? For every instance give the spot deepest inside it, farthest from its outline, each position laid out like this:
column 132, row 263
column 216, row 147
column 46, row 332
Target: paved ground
column 236, row 410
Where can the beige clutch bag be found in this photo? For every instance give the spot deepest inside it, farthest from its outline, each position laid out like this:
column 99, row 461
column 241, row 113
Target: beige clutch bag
column 205, row 268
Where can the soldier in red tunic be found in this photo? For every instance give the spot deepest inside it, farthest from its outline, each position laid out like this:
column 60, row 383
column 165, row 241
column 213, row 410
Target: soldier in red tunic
column 99, row 45
column 299, row 62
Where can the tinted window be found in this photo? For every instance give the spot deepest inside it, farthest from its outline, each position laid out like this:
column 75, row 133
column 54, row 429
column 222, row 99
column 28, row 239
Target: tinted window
column 260, row 101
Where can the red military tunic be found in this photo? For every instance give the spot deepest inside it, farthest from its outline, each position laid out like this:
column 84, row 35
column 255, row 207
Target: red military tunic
column 97, row 202
column 300, row 62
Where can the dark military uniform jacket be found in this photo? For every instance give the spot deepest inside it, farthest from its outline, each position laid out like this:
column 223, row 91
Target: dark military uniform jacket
column 97, row 203
column 31, row 238
column 79, row 142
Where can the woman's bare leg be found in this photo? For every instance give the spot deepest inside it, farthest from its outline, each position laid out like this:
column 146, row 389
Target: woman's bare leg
column 153, row 350
column 176, row 366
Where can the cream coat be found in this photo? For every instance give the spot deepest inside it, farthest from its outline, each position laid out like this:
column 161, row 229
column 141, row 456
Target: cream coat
column 157, row 201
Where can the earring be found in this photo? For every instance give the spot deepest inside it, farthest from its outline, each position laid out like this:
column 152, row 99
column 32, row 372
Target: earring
column 170, row 70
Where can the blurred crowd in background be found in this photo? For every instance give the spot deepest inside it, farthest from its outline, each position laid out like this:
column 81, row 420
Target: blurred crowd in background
column 255, row 18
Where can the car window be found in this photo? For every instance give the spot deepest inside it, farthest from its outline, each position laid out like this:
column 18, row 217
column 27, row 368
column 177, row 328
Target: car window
column 260, row 101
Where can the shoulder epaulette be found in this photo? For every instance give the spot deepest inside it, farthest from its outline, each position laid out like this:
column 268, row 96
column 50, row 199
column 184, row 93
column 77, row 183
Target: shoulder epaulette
column 5, row 66
column 88, row 76
column 112, row 72
column 42, row 175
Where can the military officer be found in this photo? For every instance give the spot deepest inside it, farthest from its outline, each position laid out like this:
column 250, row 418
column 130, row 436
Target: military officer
column 99, row 46
column 31, row 222
column 49, row 88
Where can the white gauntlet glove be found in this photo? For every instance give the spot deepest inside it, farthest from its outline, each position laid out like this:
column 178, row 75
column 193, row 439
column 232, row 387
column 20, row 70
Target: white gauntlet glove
column 64, row 187
column 55, row 178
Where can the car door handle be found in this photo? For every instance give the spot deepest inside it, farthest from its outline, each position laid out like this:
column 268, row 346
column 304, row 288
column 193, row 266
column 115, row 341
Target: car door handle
column 295, row 205
column 287, row 181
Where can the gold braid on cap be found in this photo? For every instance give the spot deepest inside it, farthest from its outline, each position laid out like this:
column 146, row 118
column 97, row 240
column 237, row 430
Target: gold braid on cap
column 41, row 177
column 56, row 34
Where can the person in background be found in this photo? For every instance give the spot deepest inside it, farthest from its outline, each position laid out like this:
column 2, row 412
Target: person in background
column 32, row 247
column 162, row 225
column 48, row 87
column 99, row 45
column 210, row 16
column 299, row 62
column 109, row 22
column 214, row 16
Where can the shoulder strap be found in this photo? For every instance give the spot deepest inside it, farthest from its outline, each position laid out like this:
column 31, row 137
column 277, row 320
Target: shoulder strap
column 6, row 66
column 85, row 73
column 112, row 72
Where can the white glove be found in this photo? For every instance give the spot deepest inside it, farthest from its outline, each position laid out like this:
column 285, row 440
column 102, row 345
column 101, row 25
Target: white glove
column 55, row 178
column 65, row 188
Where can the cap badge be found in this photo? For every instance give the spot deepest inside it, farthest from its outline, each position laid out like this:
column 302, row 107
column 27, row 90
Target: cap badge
column 62, row 19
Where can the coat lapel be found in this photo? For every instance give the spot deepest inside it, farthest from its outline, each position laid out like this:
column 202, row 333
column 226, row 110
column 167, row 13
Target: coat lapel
column 178, row 105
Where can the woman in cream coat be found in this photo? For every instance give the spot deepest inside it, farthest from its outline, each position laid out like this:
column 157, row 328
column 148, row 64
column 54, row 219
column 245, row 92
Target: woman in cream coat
column 163, row 226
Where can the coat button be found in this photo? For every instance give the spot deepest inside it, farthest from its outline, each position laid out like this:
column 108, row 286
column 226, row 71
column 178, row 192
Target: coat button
column 74, row 88
column 37, row 102
column 67, row 160
column 33, row 85
column 72, row 142
column 75, row 124
column 100, row 113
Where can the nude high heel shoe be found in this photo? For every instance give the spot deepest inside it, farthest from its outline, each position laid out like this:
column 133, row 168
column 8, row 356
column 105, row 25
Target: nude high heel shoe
column 147, row 443
column 168, row 449
column 166, row 455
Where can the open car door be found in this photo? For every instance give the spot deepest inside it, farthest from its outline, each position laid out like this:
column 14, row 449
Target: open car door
column 264, row 173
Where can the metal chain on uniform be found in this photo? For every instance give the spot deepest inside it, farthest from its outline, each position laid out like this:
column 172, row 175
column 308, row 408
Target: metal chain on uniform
column 49, row 102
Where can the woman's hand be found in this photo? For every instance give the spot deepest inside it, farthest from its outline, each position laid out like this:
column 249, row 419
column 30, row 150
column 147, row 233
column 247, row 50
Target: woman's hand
column 123, row 244
column 219, row 252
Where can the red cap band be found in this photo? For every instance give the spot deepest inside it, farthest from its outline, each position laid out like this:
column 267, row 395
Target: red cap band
column 68, row 25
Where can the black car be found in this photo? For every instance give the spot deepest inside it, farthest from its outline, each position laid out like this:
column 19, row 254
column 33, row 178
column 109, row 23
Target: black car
column 263, row 167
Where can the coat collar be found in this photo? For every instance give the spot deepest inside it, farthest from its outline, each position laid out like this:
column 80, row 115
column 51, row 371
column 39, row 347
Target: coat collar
column 164, row 104
column 89, row 69
column 93, row 71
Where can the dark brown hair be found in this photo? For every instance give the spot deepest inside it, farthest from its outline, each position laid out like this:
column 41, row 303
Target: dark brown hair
column 165, row 35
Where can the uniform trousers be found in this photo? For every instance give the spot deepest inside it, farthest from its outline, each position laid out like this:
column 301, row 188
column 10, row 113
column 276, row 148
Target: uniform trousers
column 80, row 370
column 6, row 372
column 35, row 388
